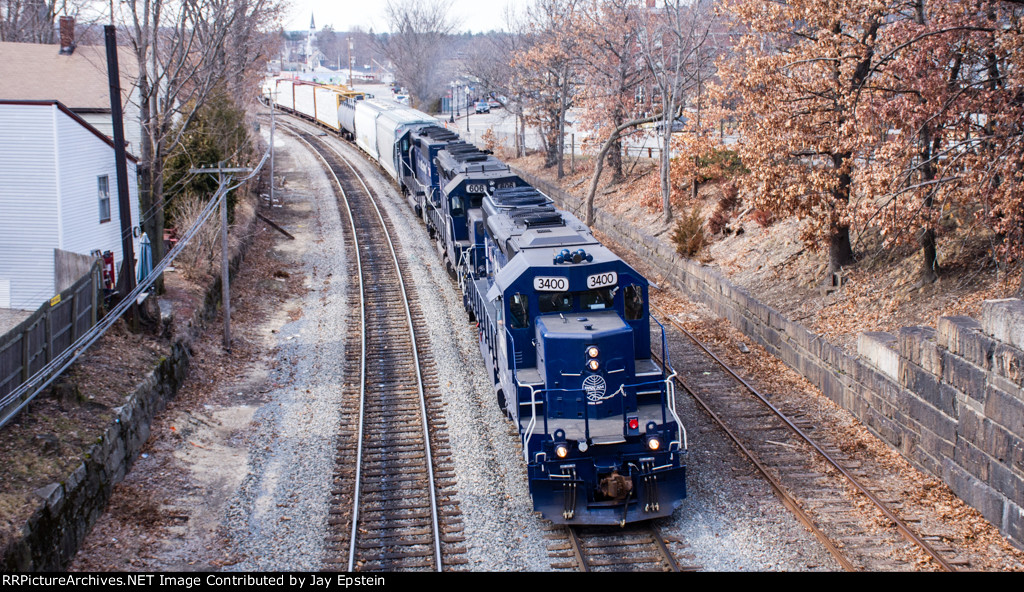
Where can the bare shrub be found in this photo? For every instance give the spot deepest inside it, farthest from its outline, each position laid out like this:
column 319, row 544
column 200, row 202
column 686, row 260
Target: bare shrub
column 718, row 221
column 202, row 255
column 489, row 140
column 689, row 233
column 763, row 218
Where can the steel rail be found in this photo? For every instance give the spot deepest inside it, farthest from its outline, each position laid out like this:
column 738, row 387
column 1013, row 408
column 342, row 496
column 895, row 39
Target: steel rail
column 577, row 549
column 665, row 553
column 416, row 360
column 362, row 357
column 901, row 526
column 787, row 499
column 412, row 332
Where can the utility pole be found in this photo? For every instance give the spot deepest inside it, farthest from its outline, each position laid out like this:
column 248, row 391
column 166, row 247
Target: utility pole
column 223, row 179
column 273, row 99
column 124, row 204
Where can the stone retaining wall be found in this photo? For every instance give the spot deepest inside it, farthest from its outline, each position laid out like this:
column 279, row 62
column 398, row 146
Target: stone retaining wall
column 949, row 399
column 68, row 510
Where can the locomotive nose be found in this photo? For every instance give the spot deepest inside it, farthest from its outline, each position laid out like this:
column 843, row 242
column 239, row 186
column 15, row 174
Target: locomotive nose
column 588, row 358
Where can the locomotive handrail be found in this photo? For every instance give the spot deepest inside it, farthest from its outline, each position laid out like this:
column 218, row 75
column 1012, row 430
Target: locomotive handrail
column 461, row 274
column 670, row 387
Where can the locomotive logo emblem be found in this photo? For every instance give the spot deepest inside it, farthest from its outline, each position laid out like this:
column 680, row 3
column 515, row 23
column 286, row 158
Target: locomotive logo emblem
column 595, row 387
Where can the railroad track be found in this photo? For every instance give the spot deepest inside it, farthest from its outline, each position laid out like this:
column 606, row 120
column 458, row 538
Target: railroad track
column 818, row 483
column 639, row 547
column 393, row 506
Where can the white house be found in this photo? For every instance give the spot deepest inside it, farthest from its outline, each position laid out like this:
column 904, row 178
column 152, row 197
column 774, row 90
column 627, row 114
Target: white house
column 58, row 193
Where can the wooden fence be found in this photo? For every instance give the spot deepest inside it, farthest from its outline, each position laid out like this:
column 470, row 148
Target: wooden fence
column 34, row 343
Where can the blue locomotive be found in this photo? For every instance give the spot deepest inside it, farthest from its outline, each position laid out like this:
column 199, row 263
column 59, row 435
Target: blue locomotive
column 564, row 323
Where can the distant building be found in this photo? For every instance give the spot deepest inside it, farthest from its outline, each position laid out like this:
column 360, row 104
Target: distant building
column 74, row 75
column 58, row 196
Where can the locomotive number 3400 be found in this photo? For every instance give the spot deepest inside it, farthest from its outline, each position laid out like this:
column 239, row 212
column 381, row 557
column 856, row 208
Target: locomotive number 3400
column 551, row 284
column 602, row 279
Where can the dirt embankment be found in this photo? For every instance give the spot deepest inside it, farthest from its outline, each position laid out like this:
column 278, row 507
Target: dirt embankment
column 880, row 292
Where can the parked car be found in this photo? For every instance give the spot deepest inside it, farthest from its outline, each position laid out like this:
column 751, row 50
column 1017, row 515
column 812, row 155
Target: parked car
column 482, row 107
column 493, row 104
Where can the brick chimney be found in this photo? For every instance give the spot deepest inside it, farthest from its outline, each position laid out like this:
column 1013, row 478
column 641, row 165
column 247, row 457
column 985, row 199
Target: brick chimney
column 67, row 35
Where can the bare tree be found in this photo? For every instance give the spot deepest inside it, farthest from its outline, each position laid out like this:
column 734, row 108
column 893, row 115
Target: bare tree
column 418, row 44
column 670, row 42
column 186, row 49
column 547, row 69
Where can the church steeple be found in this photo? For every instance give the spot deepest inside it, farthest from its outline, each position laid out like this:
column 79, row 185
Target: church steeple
column 309, row 42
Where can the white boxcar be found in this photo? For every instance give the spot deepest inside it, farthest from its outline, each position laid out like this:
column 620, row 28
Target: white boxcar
column 285, row 94
column 382, row 131
column 327, row 101
column 305, row 99
column 393, row 141
column 366, row 125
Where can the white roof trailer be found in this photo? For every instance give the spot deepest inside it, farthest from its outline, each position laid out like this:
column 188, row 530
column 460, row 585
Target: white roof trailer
column 382, row 129
column 305, row 100
column 285, row 93
column 327, row 101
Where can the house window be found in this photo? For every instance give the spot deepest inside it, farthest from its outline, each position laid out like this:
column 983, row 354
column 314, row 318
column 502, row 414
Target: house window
column 103, row 183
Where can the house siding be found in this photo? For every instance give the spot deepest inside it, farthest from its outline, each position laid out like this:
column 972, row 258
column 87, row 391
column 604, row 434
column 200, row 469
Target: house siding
column 82, row 158
column 49, row 200
column 28, row 201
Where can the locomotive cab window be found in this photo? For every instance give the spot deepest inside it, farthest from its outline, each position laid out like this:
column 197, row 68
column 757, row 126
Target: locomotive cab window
column 456, row 206
column 634, row 296
column 555, row 302
column 520, row 309
column 597, row 299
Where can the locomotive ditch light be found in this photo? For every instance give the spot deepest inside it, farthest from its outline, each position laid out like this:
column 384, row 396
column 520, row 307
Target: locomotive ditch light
column 561, row 450
column 593, row 352
column 593, row 365
column 653, row 443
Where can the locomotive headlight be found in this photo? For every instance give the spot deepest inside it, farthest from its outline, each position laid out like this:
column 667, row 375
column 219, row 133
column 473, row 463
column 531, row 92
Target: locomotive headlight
column 653, row 443
column 561, row 450
column 592, row 351
column 593, row 365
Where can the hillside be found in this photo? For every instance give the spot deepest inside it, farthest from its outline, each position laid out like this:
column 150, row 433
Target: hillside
column 880, row 292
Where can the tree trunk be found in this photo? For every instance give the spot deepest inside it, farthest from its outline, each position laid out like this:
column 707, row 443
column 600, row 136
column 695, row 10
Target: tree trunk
column 666, row 176
column 599, row 163
column 840, row 252
column 926, row 238
column 615, row 161
column 930, row 264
